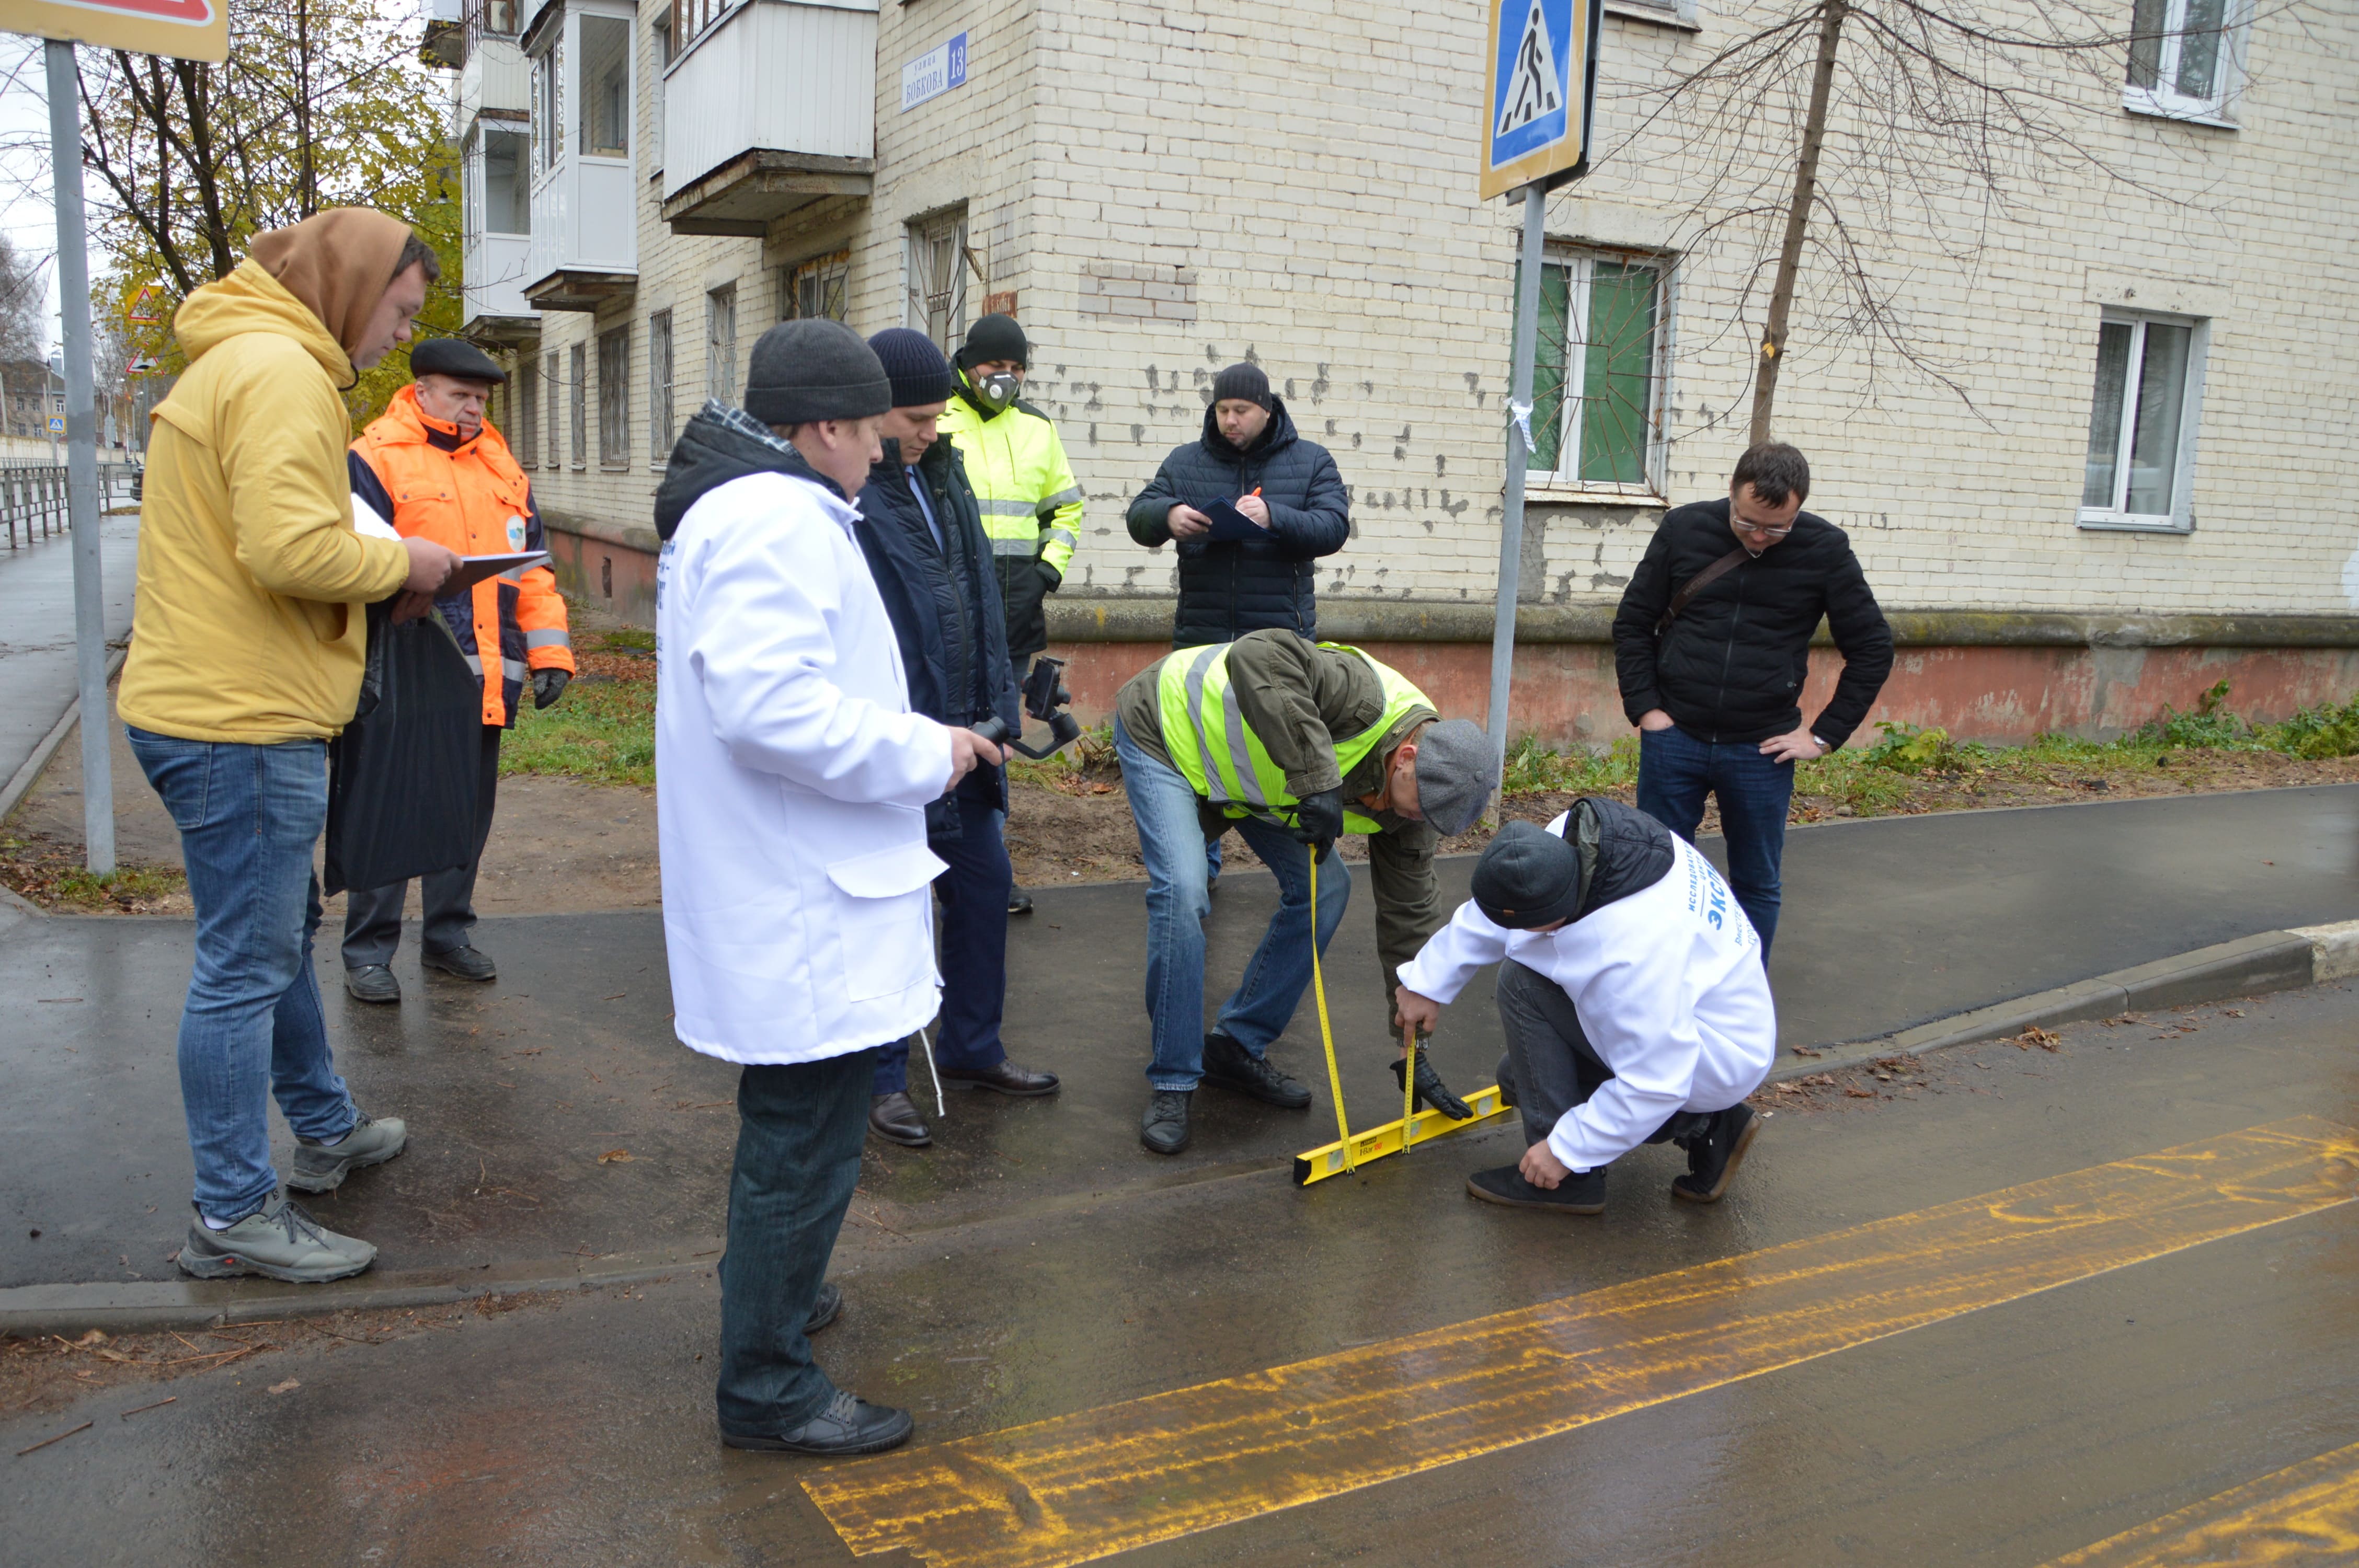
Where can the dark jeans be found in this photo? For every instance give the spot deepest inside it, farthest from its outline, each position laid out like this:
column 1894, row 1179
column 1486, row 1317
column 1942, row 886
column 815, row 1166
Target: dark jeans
column 373, row 916
column 1550, row 1059
column 973, row 894
column 799, row 1128
column 1675, row 771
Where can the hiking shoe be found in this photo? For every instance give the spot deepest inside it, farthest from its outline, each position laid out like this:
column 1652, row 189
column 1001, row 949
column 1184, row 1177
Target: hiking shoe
column 323, row 1167
column 845, row 1425
column 1164, row 1128
column 465, row 962
column 277, row 1241
column 1580, row 1194
column 372, row 982
column 825, row 1307
column 1714, row 1154
column 1232, row 1066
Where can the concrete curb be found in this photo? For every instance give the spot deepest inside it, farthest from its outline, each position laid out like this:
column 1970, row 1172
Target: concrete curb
column 2272, row 960
column 20, row 784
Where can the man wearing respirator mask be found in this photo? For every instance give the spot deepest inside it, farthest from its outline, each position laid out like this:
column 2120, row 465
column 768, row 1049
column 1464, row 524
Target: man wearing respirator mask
column 1031, row 507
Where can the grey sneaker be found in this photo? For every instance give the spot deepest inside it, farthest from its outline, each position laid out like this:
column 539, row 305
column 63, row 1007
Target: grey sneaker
column 323, row 1167
column 372, row 982
column 279, row 1241
column 465, row 962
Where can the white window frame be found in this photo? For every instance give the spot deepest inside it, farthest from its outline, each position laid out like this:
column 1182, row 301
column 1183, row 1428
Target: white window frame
column 1565, row 479
column 830, row 274
column 924, row 235
column 547, row 118
column 2180, row 519
column 2164, row 99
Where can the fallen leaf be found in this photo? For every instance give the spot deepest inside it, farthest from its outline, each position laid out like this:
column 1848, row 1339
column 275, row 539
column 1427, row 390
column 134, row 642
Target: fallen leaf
column 289, row 1385
column 2034, row 1035
column 95, row 1336
column 1861, row 1094
column 616, row 1157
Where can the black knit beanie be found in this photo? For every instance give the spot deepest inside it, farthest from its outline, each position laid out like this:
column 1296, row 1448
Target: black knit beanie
column 814, row 369
column 1241, row 381
column 917, row 369
column 1526, row 877
column 995, row 337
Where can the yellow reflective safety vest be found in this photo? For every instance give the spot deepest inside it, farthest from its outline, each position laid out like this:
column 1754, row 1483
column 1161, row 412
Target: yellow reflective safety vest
column 1206, row 735
column 1030, row 503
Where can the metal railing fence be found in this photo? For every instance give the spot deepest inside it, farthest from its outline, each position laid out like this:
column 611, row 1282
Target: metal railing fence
column 33, row 497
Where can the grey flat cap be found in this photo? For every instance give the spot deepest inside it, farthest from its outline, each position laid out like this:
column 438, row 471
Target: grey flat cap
column 814, row 369
column 1526, row 877
column 1455, row 775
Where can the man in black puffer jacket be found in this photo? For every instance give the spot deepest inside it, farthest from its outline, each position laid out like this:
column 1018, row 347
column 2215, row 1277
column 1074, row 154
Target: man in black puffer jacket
column 922, row 532
column 1249, row 454
column 1712, row 646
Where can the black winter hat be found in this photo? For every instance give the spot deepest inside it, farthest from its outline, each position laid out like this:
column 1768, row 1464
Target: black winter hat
column 1526, row 877
column 995, row 337
column 814, row 369
column 917, row 369
column 1244, row 381
column 454, row 357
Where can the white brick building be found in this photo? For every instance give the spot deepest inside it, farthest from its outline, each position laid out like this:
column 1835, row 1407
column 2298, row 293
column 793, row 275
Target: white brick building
column 1157, row 191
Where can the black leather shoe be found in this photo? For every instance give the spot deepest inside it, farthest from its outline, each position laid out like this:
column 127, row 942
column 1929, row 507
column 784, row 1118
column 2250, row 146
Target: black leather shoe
column 825, row 1308
column 464, row 962
column 895, row 1119
column 1164, row 1128
column 1232, row 1066
column 1003, row 1076
column 1018, row 902
column 846, row 1426
column 373, row 982
column 1582, row 1193
column 1714, row 1154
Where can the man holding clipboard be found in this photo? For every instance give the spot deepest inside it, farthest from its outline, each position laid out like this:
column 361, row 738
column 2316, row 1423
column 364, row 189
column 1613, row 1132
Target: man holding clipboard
column 433, row 467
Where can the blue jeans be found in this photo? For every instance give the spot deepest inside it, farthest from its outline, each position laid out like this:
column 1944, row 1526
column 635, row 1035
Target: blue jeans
column 799, row 1128
column 974, row 948
column 1675, row 771
column 249, row 816
column 1171, row 840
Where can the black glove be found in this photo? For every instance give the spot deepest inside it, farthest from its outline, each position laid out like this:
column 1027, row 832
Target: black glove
column 1319, row 821
column 548, row 686
column 1431, row 1090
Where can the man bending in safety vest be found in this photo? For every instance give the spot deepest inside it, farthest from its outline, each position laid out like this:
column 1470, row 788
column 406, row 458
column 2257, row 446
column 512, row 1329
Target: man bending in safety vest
column 1297, row 743
column 433, row 467
column 1031, row 507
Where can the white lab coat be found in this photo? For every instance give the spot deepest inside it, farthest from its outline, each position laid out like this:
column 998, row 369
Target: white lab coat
column 792, row 781
column 1669, row 988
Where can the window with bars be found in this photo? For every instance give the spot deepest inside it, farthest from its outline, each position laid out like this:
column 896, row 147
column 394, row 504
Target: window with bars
column 527, row 408
column 1596, row 375
column 720, row 343
column 661, row 430
column 556, row 381
column 937, row 278
column 580, row 404
column 816, row 288
column 2142, row 423
column 614, row 397
column 690, row 17
column 2184, row 57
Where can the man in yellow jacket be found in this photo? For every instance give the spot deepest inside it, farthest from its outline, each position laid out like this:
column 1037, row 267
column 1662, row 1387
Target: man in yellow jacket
column 247, row 642
column 434, row 467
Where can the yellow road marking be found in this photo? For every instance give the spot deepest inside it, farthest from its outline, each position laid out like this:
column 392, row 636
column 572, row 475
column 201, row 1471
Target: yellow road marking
column 2305, row 1513
column 1088, row 1485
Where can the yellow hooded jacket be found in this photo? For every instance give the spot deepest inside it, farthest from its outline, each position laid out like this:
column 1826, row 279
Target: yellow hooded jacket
column 245, row 629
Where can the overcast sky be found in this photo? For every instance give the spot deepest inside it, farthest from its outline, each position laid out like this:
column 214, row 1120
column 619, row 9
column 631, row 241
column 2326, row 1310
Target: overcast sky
column 27, row 216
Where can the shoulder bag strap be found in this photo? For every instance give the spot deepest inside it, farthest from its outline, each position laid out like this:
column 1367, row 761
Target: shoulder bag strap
column 1697, row 583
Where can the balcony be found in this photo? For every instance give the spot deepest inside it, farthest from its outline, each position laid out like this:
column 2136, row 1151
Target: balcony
column 771, row 107
column 495, row 83
column 584, row 249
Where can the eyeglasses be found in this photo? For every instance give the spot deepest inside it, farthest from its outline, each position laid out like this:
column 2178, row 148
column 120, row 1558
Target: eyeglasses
column 1756, row 529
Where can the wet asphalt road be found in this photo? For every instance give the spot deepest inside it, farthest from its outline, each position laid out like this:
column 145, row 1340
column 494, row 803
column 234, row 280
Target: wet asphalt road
column 2005, row 1436
column 515, row 1089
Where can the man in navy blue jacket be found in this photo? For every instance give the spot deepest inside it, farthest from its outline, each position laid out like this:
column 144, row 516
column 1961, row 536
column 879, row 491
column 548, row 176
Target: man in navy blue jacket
column 923, row 533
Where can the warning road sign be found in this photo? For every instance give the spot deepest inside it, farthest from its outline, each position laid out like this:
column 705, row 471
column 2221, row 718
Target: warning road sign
column 184, row 29
column 1543, row 83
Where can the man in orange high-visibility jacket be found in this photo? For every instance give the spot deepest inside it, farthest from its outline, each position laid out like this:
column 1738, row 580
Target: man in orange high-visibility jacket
column 433, row 467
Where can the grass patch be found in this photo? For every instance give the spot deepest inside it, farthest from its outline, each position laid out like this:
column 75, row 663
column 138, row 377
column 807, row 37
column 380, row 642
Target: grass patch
column 52, row 876
column 603, row 729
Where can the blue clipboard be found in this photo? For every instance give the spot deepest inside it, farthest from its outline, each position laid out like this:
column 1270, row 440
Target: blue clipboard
column 1230, row 525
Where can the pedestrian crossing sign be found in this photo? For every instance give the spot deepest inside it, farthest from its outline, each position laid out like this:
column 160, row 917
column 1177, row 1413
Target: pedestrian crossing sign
column 1543, row 84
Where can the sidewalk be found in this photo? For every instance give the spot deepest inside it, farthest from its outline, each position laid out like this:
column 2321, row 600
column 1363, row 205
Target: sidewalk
column 36, row 630
column 521, row 1093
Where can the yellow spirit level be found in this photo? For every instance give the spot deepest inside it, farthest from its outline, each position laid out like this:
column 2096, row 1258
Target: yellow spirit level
column 1331, row 1159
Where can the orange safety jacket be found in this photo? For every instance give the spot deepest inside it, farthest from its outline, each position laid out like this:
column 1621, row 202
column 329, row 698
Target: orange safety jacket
column 470, row 495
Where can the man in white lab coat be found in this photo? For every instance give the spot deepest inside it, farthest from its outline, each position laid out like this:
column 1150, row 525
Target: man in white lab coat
column 791, row 813
column 1632, row 995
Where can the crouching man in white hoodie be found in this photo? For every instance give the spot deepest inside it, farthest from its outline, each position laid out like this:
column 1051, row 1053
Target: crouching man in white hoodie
column 1632, row 995
column 791, row 816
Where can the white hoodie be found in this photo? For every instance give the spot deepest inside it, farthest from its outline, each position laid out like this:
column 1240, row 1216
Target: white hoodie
column 792, row 784
column 1669, row 988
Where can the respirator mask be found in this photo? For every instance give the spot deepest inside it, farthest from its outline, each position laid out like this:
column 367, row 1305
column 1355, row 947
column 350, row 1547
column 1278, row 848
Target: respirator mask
column 995, row 391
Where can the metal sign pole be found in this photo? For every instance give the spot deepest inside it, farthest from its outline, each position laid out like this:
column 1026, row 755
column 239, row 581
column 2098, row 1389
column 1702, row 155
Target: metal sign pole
column 82, row 459
column 1519, row 458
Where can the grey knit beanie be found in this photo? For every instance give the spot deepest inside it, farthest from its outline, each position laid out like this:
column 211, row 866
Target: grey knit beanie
column 1526, row 877
column 814, row 369
column 1455, row 775
column 1244, row 381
